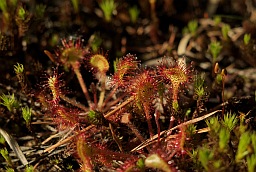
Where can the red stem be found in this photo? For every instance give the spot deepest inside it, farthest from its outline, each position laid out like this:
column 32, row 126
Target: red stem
column 150, row 128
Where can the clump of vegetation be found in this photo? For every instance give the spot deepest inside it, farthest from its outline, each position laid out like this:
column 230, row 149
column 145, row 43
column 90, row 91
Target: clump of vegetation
column 117, row 96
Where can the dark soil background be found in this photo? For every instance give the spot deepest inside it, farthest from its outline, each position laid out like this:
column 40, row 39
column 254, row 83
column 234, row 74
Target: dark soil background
column 158, row 32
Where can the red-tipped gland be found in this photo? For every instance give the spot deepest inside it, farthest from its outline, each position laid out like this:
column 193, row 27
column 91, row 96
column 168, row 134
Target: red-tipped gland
column 144, row 89
column 54, row 87
column 176, row 75
column 176, row 146
column 84, row 152
column 64, row 117
column 54, row 84
column 71, row 52
column 124, row 68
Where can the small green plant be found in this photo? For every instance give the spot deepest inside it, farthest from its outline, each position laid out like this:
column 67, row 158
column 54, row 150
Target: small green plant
column 22, row 13
column 199, row 86
column 4, row 9
column 253, row 139
column 70, row 167
column 3, row 6
column 243, row 149
column 251, row 162
column 26, row 113
column 224, row 137
column 200, row 93
column 8, row 169
column 134, row 13
column 217, row 20
column 29, row 168
column 2, row 140
column 214, row 124
column 215, row 49
column 215, row 154
column 230, row 121
column 5, row 154
column 95, row 42
column 40, row 11
column 108, row 7
column 19, row 68
column 22, row 19
column 9, row 101
column 204, row 156
column 20, row 74
column 191, row 27
column 247, row 38
column 8, row 9
column 224, row 30
column 75, row 4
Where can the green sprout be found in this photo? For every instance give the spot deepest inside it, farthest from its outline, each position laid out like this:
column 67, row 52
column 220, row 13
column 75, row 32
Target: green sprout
column 40, row 10
column 175, row 105
column 8, row 169
column 96, row 118
column 251, row 163
column 108, row 7
column 4, row 9
column 224, row 30
column 29, row 168
column 5, row 154
column 22, row 13
column 192, row 27
column 214, row 124
column 199, row 85
column 69, row 166
column 140, row 164
column 2, row 140
column 3, row 6
column 95, row 42
column 244, row 142
column 191, row 129
column 193, row 155
column 20, row 74
column 19, row 68
column 243, row 125
column 217, row 20
column 75, row 4
column 230, row 121
column 247, row 38
column 115, row 62
column 204, row 156
column 9, row 101
column 188, row 112
column 22, row 19
column 26, row 113
column 218, row 78
column 134, row 13
column 13, row 2
column 253, row 138
column 215, row 48
column 224, row 136
column 217, row 164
